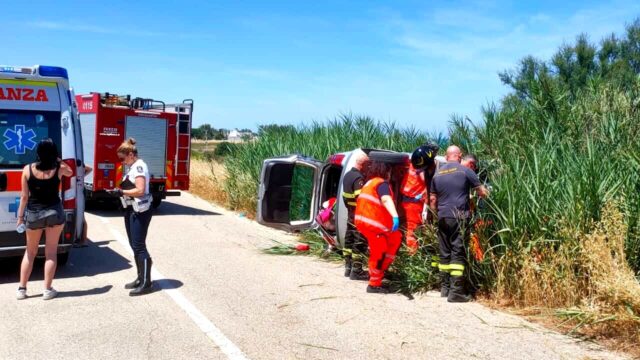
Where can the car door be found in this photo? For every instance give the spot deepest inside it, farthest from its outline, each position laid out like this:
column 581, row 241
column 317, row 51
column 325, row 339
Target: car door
column 289, row 192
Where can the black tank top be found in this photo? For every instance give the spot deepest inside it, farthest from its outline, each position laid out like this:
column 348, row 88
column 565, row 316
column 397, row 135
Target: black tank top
column 43, row 193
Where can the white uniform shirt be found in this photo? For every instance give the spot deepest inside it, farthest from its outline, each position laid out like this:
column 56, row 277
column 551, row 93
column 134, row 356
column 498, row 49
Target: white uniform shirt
column 137, row 169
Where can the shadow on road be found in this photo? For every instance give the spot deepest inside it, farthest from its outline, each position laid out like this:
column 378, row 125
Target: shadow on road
column 78, row 293
column 167, row 284
column 166, row 208
column 93, row 260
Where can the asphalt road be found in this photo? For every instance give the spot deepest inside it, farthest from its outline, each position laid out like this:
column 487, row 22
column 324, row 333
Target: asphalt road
column 219, row 297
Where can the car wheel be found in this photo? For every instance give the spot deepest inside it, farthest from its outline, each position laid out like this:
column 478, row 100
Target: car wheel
column 388, row 157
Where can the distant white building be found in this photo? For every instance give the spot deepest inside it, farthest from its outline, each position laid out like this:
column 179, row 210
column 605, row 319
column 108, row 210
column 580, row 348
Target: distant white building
column 234, row 136
column 237, row 136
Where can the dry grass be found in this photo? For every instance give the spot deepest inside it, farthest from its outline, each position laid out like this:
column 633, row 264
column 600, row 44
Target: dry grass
column 583, row 287
column 207, row 181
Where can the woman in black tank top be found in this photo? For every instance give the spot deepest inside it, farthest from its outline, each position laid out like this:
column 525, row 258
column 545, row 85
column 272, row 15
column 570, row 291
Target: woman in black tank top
column 41, row 211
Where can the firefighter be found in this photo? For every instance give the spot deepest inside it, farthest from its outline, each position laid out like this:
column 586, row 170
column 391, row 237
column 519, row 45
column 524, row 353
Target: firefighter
column 413, row 192
column 450, row 189
column 377, row 219
column 354, row 244
column 136, row 199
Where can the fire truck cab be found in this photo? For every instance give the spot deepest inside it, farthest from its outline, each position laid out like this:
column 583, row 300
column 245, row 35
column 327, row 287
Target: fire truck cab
column 163, row 138
column 37, row 103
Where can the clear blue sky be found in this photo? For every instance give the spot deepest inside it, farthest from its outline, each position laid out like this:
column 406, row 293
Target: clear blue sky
column 255, row 62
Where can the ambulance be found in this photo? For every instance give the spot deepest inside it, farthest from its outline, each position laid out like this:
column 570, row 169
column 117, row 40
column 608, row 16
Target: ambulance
column 163, row 139
column 37, row 103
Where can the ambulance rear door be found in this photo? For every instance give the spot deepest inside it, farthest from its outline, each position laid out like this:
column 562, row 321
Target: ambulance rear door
column 289, row 192
column 29, row 112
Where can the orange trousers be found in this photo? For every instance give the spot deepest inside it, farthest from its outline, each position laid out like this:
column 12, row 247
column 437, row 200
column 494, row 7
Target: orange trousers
column 413, row 214
column 382, row 252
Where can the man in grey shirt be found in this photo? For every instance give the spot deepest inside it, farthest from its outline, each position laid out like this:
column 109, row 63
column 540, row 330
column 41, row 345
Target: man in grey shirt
column 450, row 189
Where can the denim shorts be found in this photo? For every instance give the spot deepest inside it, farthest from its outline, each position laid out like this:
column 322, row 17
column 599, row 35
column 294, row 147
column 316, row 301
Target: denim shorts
column 44, row 218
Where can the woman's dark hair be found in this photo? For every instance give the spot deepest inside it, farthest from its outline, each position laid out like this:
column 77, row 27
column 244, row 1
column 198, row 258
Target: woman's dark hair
column 47, row 155
column 374, row 168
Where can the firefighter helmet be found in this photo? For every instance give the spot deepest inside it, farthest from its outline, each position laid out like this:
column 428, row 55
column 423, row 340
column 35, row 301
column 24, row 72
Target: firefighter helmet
column 423, row 157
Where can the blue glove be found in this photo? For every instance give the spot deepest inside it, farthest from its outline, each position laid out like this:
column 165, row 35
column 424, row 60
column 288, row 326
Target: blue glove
column 396, row 224
column 418, row 197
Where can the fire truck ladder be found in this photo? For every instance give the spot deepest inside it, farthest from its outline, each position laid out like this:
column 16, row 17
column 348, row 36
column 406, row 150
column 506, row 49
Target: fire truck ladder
column 185, row 111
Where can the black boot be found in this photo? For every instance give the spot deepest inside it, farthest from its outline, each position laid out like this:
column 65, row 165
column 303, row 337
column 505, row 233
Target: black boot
column 348, row 265
column 458, row 293
column 146, row 286
column 445, row 283
column 377, row 289
column 135, row 283
column 357, row 273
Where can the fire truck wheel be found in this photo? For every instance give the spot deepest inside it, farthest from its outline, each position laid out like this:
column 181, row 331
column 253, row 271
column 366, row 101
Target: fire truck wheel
column 63, row 258
column 156, row 202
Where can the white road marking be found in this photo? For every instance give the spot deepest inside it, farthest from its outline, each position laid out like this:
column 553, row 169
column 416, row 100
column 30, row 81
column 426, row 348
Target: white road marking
column 225, row 345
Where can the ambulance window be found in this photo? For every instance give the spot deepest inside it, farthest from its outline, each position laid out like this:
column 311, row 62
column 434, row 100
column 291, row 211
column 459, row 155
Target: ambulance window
column 21, row 131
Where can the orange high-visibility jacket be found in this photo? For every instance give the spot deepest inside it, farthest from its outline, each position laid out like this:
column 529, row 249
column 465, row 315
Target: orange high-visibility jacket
column 412, row 184
column 371, row 215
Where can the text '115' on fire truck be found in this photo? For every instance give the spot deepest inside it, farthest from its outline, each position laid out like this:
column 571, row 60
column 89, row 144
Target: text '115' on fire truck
column 163, row 138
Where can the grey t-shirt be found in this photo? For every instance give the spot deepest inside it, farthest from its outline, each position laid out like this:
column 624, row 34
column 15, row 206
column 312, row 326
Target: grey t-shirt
column 451, row 184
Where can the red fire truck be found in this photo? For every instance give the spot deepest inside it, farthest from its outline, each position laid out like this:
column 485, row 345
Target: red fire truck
column 162, row 132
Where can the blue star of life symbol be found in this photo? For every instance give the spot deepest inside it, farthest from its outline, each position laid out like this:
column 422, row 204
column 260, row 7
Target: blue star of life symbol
column 19, row 139
column 13, row 207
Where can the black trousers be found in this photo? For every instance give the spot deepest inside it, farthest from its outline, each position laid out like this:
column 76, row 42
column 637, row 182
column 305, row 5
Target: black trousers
column 354, row 242
column 137, row 225
column 453, row 235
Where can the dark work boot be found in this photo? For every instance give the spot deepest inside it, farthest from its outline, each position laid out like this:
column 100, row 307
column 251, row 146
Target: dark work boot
column 348, row 265
column 357, row 273
column 377, row 289
column 445, row 283
column 146, row 286
column 458, row 293
column 135, row 283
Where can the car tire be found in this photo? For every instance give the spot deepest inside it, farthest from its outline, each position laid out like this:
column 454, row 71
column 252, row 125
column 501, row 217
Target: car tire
column 388, row 157
column 63, row 258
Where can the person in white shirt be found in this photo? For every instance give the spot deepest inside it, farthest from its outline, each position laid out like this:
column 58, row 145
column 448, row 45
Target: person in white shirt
column 136, row 200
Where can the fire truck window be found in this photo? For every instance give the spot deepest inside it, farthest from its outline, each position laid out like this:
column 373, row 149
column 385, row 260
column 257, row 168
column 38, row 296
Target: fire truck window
column 183, row 127
column 23, row 129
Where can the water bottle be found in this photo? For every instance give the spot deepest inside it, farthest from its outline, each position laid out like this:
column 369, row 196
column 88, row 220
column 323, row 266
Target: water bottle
column 21, row 228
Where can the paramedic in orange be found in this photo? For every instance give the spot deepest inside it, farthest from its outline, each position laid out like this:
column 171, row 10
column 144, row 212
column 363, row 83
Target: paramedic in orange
column 377, row 220
column 413, row 192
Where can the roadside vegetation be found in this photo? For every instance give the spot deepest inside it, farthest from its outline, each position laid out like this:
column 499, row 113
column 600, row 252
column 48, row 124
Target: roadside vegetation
column 561, row 233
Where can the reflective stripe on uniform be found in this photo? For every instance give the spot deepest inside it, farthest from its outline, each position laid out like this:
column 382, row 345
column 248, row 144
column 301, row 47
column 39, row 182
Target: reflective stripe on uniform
column 456, row 269
column 370, row 198
column 435, row 261
column 352, row 195
column 444, row 267
column 371, row 222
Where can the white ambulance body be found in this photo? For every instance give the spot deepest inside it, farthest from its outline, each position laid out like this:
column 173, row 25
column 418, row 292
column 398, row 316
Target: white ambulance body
column 37, row 103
